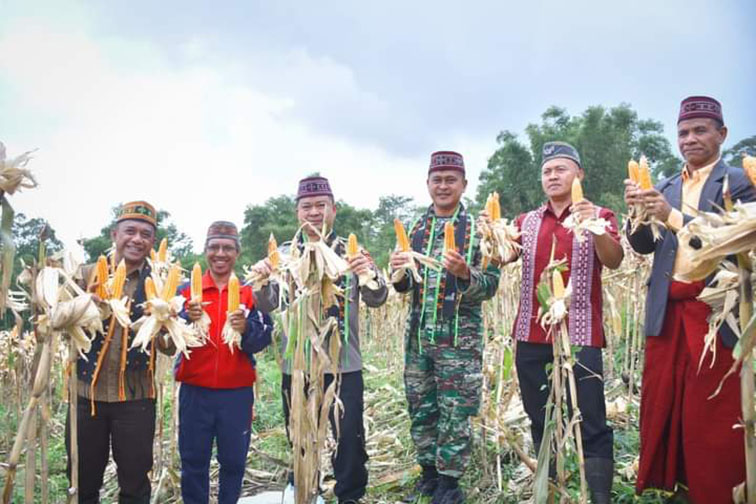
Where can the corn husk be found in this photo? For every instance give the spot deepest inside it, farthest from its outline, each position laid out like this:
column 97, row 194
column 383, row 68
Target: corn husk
column 403, row 246
column 13, row 172
column 369, row 277
column 722, row 295
column 276, row 258
column 498, row 237
column 638, row 213
column 710, row 237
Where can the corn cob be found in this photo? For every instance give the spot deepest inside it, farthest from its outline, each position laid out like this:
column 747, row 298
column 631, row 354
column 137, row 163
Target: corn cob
column 401, row 236
column 149, row 289
column 352, row 248
column 233, row 293
column 495, row 207
column 273, row 254
column 171, row 283
column 162, row 253
column 557, row 284
column 197, row 282
column 577, row 191
column 749, row 165
column 101, row 277
column 153, row 256
column 633, row 170
column 449, row 237
column 118, row 280
column 644, row 175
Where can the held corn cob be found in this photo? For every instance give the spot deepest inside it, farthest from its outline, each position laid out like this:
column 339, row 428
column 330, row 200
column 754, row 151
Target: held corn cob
column 149, row 289
column 352, row 248
column 119, row 279
column 401, row 236
column 171, row 283
column 577, row 191
column 101, row 277
column 749, row 165
column 197, row 282
column 233, row 293
column 633, row 171
column 273, row 254
column 449, row 243
column 644, row 175
column 557, row 284
column 162, row 253
column 494, row 212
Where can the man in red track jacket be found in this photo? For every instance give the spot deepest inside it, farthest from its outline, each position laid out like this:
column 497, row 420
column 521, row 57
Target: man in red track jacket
column 216, row 396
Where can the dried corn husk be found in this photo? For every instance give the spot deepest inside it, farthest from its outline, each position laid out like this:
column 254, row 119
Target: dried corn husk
column 276, row 258
column 13, row 174
column 498, row 237
column 710, row 237
column 722, row 295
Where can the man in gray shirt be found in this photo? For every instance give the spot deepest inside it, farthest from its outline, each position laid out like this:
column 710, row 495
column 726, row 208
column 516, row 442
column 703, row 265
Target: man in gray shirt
column 316, row 206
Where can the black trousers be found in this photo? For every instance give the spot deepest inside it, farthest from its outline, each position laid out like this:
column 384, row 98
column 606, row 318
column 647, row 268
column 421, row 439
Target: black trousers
column 535, row 385
column 349, row 463
column 129, row 427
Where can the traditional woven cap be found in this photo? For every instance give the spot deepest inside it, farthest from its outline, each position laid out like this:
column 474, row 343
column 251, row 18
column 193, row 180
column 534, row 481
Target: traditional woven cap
column 137, row 210
column 446, row 160
column 223, row 229
column 694, row 107
column 553, row 150
column 314, row 186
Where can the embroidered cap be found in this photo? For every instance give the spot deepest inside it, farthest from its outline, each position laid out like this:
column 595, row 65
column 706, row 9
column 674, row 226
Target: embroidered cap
column 223, row 229
column 137, row 210
column 446, row 160
column 553, row 150
column 694, row 107
column 314, row 186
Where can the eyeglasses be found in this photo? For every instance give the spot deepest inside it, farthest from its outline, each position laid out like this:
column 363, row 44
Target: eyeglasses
column 215, row 248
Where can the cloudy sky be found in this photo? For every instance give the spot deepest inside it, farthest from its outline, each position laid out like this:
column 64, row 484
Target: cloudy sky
column 206, row 107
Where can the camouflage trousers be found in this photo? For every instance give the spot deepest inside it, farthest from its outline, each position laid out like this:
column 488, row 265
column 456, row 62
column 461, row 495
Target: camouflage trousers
column 443, row 386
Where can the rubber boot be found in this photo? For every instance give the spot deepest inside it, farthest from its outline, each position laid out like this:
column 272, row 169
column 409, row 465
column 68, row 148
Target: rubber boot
column 599, row 473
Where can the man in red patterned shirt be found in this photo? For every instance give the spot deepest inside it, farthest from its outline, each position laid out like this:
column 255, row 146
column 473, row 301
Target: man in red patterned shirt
column 585, row 259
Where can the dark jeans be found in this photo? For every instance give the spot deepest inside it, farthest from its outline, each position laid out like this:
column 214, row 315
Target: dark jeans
column 351, row 457
column 535, row 385
column 129, row 427
column 223, row 415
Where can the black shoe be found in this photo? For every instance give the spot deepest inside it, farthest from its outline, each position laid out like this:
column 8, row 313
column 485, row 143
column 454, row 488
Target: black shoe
column 599, row 473
column 448, row 496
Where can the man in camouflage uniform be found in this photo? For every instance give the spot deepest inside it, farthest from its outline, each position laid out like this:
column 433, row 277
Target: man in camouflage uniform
column 444, row 338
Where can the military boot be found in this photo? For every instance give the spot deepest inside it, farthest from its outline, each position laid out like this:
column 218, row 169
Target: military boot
column 448, row 491
column 599, row 473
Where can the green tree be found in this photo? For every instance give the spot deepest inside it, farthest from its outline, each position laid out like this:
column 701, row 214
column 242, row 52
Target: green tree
column 277, row 216
column 734, row 155
column 179, row 243
column 26, row 236
column 605, row 138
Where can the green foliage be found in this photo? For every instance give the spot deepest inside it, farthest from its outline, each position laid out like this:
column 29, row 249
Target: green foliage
column 734, row 155
column 179, row 242
column 26, row 235
column 605, row 139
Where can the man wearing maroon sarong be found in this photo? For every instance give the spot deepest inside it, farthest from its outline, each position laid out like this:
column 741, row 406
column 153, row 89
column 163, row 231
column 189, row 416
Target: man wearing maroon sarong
column 687, row 438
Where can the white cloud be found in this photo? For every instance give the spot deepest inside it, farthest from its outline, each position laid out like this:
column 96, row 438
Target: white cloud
column 192, row 139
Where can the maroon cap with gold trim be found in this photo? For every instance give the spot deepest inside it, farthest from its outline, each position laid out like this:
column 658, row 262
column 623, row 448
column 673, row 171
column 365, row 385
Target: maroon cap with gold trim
column 694, row 107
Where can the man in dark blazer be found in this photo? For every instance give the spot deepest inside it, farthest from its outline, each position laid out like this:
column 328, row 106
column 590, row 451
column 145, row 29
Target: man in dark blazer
column 687, row 439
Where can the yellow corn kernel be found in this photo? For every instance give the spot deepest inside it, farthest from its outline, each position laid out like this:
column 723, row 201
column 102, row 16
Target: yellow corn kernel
column 577, row 191
column 153, row 256
column 401, row 236
column 233, row 293
column 449, row 237
column 149, row 289
column 118, row 280
column 352, row 248
column 273, row 254
column 495, row 207
column 633, row 170
column 749, row 165
column 197, row 282
column 101, row 277
column 162, row 253
column 557, row 284
column 171, row 283
column 644, row 175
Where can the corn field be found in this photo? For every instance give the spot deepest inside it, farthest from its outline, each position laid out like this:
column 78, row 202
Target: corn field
column 503, row 463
